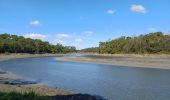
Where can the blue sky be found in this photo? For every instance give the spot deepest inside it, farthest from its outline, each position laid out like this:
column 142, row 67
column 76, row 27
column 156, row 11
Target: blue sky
column 83, row 23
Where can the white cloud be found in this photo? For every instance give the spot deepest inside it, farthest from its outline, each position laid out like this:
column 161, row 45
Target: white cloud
column 63, row 36
column 78, row 41
column 35, row 23
column 59, row 41
column 88, row 32
column 35, row 36
column 138, row 9
column 152, row 29
column 110, row 11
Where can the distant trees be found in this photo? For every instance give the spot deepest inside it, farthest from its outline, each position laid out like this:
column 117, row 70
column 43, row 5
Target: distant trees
column 90, row 50
column 155, row 42
column 19, row 44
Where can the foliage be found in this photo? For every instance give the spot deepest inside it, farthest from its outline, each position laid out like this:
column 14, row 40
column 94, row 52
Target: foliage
column 33, row 96
column 90, row 50
column 18, row 44
column 18, row 96
column 155, row 42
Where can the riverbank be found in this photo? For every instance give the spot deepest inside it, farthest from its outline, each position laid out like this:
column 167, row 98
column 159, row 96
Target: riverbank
column 131, row 60
column 38, row 89
column 25, row 55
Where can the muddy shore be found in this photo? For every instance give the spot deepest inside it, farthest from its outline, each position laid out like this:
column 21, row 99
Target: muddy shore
column 130, row 60
column 20, row 55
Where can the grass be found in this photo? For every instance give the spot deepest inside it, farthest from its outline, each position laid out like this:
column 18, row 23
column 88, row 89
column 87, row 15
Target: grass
column 19, row 96
column 33, row 96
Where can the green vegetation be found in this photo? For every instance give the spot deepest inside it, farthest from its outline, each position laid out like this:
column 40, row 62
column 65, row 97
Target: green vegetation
column 18, row 96
column 33, row 96
column 19, row 44
column 151, row 43
column 156, row 42
column 90, row 50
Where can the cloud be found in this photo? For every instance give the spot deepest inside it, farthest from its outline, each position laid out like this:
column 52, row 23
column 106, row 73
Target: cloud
column 35, row 36
column 138, row 9
column 63, row 36
column 152, row 29
column 110, row 11
column 78, row 41
column 59, row 41
column 88, row 32
column 35, row 23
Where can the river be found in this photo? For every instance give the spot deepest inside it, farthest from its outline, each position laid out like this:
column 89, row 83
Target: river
column 111, row 82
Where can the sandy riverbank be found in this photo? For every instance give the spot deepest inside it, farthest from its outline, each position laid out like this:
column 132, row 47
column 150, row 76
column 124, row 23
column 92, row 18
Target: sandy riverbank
column 130, row 60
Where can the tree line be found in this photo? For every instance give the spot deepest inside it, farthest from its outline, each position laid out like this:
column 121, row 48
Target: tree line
column 90, row 50
column 155, row 42
column 19, row 44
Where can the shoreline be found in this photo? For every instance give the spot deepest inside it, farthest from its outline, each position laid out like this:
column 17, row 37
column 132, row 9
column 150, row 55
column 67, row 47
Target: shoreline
column 126, row 60
column 38, row 88
column 4, row 57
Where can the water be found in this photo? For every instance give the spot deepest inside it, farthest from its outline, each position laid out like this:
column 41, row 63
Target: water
column 112, row 82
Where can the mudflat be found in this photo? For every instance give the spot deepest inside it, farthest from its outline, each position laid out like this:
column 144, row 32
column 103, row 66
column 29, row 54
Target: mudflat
column 25, row 55
column 131, row 60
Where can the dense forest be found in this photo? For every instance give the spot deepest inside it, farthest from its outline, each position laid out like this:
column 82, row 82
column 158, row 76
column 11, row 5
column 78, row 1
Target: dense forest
column 155, row 42
column 19, row 44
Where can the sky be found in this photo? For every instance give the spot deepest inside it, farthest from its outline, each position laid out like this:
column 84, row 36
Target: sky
column 83, row 23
